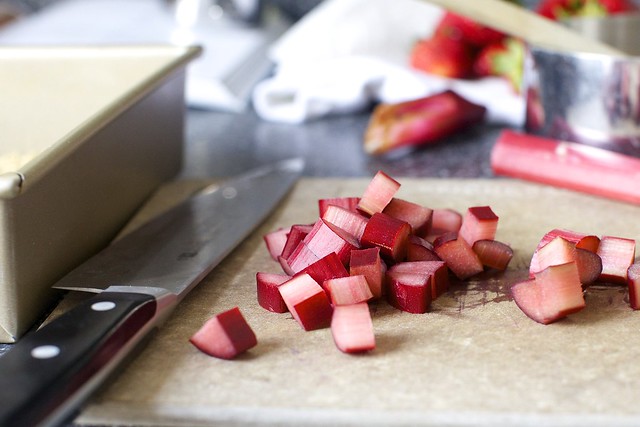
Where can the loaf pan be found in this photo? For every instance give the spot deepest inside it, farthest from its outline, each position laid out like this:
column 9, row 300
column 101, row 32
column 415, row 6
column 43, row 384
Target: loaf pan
column 88, row 133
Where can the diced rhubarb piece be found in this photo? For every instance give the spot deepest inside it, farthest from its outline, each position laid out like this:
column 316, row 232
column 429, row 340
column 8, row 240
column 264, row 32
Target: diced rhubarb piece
column 633, row 281
column 557, row 251
column 275, row 241
column 410, row 292
column 348, row 203
column 418, row 122
column 352, row 328
column 327, row 267
column 378, row 193
column 617, row 254
column 589, row 265
column 348, row 290
column 437, row 269
column 419, row 249
column 325, row 238
column 528, row 298
column 418, row 216
column 581, row 240
column 458, row 254
column 554, row 293
column 350, row 221
column 268, row 294
column 296, row 234
column 368, row 263
column 301, row 258
column 569, row 165
column 479, row 223
column 561, row 288
column 225, row 335
column 391, row 235
column 444, row 221
column 493, row 253
column 307, row 302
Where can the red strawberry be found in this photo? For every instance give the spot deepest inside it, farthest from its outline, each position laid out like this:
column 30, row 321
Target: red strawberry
column 504, row 59
column 559, row 9
column 466, row 30
column 443, row 56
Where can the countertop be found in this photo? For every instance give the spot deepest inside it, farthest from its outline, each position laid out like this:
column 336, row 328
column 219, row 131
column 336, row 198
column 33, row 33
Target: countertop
column 222, row 144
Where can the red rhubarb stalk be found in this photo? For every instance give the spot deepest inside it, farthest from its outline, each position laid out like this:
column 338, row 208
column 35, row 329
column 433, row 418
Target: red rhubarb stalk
column 569, row 165
column 419, row 122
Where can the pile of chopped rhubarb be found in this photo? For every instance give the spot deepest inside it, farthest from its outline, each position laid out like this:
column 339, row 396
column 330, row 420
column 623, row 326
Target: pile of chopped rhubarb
column 378, row 247
column 374, row 246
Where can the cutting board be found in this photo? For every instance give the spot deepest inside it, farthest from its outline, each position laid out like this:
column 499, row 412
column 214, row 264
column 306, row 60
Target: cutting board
column 475, row 359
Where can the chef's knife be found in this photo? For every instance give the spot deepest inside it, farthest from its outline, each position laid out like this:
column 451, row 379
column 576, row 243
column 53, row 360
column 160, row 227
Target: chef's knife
column 139, row 279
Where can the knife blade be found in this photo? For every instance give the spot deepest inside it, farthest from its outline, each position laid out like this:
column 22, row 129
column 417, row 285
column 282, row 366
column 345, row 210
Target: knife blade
column 139, row 279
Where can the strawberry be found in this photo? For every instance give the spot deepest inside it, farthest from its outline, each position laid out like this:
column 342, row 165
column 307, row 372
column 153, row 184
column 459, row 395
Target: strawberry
column 559, row 9
column 465, row 30
column 442, row 56
column 504, row 59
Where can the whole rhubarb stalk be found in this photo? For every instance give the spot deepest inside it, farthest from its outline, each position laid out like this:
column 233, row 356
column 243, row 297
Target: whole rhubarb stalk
column 566, row 164
column 419, row 122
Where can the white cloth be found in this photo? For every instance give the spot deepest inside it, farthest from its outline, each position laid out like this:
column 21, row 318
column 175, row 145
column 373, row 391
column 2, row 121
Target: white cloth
column 347, row 54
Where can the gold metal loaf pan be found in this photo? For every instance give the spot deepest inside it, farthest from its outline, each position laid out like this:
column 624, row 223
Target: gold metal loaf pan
column 86, row 135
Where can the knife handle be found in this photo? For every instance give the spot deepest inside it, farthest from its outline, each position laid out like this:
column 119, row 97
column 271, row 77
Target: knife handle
column 51, row 371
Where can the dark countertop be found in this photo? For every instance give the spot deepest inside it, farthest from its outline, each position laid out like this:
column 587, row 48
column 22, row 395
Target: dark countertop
column 221, row 144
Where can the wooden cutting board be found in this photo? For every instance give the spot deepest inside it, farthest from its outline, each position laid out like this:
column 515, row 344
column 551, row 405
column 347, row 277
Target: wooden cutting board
column 475, row 359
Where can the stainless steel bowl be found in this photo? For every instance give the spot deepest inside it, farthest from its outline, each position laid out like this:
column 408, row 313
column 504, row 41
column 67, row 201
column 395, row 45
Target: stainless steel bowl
column 585, row 97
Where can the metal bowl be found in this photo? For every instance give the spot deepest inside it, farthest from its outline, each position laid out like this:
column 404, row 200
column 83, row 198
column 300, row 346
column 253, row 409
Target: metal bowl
column 587, row 98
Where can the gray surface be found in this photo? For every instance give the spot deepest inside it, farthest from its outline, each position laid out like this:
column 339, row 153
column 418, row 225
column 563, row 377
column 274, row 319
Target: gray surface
column 221, row 144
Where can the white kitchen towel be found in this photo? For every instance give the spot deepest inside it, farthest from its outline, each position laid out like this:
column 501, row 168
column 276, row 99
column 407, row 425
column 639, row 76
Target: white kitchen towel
column 346, row 54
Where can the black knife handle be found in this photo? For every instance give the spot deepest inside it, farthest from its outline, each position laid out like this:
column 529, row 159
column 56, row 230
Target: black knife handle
column 49, row 372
